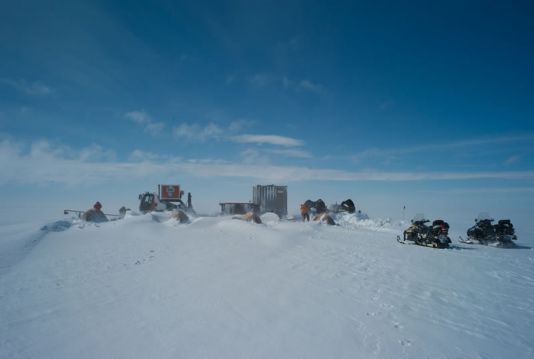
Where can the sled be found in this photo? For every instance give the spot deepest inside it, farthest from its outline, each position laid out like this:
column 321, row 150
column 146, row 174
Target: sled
column 79, row 213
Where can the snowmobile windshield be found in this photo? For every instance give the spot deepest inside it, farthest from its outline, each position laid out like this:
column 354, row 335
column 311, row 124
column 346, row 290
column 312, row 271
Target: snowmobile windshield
column 482, row 216
column 419, row 217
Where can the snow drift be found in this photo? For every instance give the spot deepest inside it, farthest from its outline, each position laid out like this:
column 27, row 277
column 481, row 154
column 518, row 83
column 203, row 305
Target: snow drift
column 147, row 286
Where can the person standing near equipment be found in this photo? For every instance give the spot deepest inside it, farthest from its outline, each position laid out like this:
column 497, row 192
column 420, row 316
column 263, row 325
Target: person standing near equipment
column 95, row 214
column 304, row 212
column 189, row 204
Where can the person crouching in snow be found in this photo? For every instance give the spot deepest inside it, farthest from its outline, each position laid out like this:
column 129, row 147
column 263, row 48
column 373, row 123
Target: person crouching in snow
column 304, row 212
column 249, row 217
column 180, row 216
column 252, row 217
column 325, row 218
column 95, row 214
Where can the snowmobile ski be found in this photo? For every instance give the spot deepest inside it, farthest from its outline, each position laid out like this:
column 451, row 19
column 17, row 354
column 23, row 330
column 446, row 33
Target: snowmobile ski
column 489, row 242
column 422, row 244
column 466, row 241
column 402, row 241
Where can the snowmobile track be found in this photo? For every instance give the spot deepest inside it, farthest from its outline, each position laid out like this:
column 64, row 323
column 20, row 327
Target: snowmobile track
column 411, row 243
column 495, row 244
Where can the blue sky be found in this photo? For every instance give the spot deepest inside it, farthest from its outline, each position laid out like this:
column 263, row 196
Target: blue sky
column 425, row 104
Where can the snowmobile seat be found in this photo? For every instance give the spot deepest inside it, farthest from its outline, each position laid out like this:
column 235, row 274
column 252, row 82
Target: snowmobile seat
column 504, row 227
column 439, row 222
column 440, row 226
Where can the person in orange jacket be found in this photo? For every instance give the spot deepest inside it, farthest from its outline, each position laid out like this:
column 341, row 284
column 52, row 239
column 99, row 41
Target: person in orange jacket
column 304, row 212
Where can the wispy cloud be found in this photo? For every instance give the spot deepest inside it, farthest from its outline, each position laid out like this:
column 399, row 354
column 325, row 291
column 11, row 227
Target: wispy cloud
column 97, row 153
column 144, row 119
column 254, row 156
column 291, row 152
column 212, row 130
column 307, row 85
column 512, row 160
column 486, row 190
column 395, row 152
column 197, row 132
column 265, row 156
column 268, row 139
column 42, row 162
column 34, row 88
column 262, row 80
column 230, row 79
column 230, row 132
column 141, row 156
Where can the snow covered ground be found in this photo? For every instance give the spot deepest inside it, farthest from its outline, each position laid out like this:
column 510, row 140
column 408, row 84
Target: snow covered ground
column 223, row 288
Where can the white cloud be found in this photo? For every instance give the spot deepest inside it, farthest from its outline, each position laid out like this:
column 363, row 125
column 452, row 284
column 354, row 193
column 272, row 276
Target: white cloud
column 252, row 156
column 140, row 156
column 287, row 83
column 262, row 80
column 487, row 190
column 306, row 85
column 45, row 163
column 196, row 132
column 144, row 119
column 155, row 128
column 295, row 153
column 230, row 79
column 394, row 152
column 35, row 88
column 268, row 139
column 239, row 125
column 512, row 160
column 96, row 153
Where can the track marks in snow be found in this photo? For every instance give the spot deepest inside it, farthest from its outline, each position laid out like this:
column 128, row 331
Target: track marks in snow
column 150, row 256
column 286, row 290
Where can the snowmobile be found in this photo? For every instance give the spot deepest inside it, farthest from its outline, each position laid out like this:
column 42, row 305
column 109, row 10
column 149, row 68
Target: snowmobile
column 435, row 236
column 318, row 206
column 485, row 232
column 345, row 206
column 319, row 211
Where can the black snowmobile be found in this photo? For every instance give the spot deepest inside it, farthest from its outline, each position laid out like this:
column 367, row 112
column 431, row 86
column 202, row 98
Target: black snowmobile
column 485, row 232
column 345, row 206
column 319, row 206
column 435, row 236
column 348, row 206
